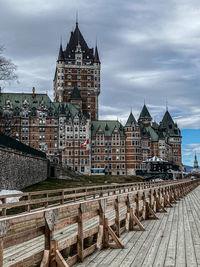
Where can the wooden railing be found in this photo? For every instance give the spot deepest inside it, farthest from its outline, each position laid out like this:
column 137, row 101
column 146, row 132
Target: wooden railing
column 42, row 199
column 66, row 234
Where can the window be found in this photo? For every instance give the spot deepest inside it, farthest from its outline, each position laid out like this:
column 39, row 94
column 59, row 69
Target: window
column 88, row 107
column 79, row 78
column 89, row 93
column 89, row 85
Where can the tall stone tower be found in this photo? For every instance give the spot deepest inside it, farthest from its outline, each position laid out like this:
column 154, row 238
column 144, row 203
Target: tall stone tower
column 78, row 66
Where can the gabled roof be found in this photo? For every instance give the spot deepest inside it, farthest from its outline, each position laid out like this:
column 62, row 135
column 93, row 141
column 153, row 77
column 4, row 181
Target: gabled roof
column 107, row 127
column 145, row 113
column 75, row 94
column 131, row 120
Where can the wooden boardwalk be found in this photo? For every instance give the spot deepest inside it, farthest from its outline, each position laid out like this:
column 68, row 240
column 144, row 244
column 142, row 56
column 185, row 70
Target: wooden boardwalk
column 173, row 240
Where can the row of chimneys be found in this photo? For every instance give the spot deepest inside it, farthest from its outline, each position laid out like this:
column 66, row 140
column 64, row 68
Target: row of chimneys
column 33, row 91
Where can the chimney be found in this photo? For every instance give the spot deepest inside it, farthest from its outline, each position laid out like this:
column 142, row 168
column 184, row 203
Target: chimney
column 33, row 92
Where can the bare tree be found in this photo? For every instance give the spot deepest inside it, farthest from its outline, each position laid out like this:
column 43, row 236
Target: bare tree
column 7, row 68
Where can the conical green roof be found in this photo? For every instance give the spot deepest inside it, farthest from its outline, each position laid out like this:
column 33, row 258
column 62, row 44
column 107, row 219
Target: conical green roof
column 130, row 120
column 167, row 119
column 145, row 113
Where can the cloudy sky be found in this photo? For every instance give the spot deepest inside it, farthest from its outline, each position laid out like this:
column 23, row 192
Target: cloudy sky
column 149, row 50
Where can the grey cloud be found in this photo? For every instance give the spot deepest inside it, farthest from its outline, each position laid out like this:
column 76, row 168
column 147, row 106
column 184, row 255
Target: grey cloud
column 149, row 50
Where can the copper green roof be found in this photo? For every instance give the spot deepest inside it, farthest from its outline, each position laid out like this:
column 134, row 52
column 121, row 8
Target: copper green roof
column 107, row 127
column 153, row 134
column 131, row 120
column 17, row 99
column 33, row 103
column 145, row 113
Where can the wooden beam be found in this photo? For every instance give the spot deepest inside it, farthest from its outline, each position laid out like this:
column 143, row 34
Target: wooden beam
column 60, row 260
column 136, row 221
column 117, row 220
column 45, row 259
column 100, row 237
column 113, row 235
column 80, row 244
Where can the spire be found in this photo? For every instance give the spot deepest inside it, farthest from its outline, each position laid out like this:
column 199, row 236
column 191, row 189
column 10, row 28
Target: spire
column 77, row 18
column 61, row 54
column 96, row 55
column 195, row 162
column 145, row 113
column 130, row 120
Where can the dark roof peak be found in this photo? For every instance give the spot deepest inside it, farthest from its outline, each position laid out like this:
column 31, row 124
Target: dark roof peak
column 61, row 54
column 96, row 55
column 131, row 119
column 75, row 94
column 167, row 119
column 145, row 113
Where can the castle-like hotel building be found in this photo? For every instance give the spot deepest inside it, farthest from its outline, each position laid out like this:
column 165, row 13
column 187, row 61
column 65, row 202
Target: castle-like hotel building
column 68, row 129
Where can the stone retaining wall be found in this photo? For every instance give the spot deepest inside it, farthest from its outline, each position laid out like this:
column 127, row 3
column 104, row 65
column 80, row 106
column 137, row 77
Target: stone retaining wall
column 18, row 170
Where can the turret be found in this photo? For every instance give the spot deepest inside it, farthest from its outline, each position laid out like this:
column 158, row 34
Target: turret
column 145, row 117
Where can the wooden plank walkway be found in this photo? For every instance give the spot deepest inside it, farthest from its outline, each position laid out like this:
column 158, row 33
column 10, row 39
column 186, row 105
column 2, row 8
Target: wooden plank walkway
column 173, row 240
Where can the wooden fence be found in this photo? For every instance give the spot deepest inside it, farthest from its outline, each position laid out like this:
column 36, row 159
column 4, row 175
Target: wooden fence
column 66, row 234
column 42, row 199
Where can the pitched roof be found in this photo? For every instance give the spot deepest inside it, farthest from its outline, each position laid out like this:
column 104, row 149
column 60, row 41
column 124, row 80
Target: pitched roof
column 96, row 55
column 153, row 134
column 54, row 108
column 75, row 39
column 167, row 119
column 130, row 120
column 61, row 54
column 75, row 94
column 145, row 113
column 168, row 126
column 17, row 99
column 107, row 127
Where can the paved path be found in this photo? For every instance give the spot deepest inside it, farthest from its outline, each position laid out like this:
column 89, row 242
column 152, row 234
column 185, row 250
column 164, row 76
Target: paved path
column 173, row 240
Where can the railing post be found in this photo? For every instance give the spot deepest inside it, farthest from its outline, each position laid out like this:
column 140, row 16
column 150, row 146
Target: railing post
column 4, row 226
column 28, row 207
column 51, row 218
column 137, row 209
column 80, row 245
column 3, row 212
column 117, row 219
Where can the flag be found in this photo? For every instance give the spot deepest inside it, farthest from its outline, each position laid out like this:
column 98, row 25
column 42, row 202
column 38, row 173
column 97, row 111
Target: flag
column 85, row 143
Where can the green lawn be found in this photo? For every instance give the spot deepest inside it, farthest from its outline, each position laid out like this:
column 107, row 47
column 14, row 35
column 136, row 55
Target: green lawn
column 51, row 184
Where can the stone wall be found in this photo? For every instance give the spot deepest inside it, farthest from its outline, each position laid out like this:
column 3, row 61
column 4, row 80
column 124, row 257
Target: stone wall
column 18, row 170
